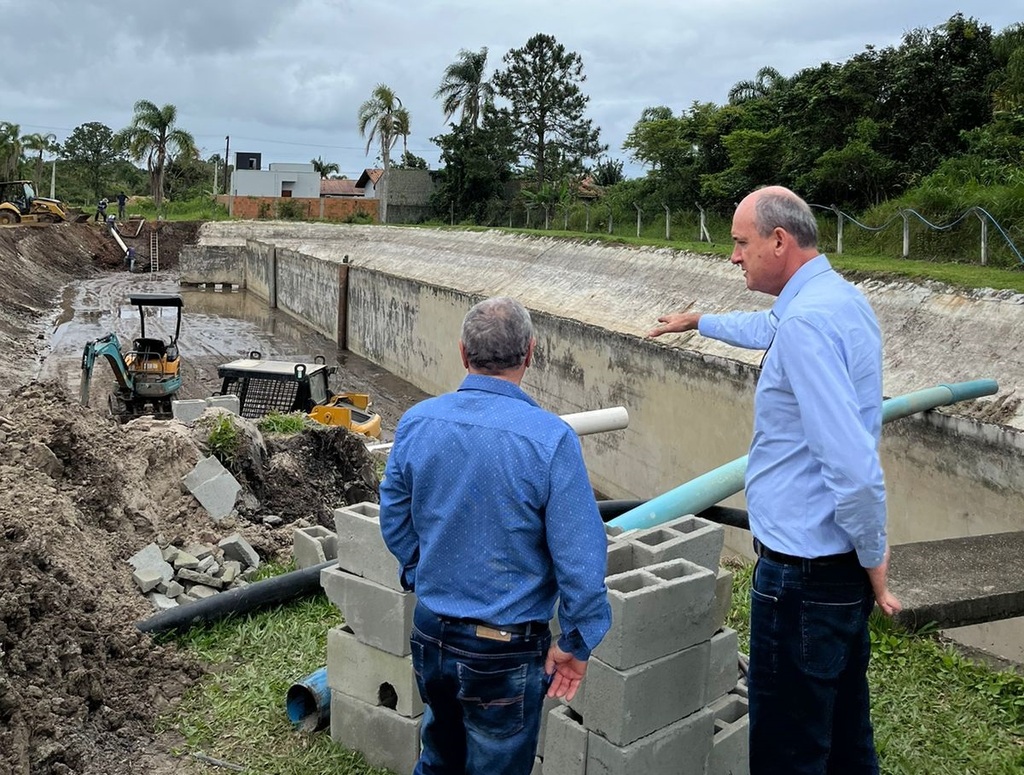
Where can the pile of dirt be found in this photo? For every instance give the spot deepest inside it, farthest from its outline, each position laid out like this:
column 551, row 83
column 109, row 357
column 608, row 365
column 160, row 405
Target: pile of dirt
column 80, row 687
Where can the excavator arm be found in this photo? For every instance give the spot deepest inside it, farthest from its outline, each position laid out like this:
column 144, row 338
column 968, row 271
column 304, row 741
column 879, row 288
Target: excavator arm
column 106, row 347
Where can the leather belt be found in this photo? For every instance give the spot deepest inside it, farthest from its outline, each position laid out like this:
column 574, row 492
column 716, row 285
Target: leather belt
column 846, row 558
column 525, row 629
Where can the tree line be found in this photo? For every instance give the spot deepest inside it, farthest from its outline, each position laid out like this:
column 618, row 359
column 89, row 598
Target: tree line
column 943, row 109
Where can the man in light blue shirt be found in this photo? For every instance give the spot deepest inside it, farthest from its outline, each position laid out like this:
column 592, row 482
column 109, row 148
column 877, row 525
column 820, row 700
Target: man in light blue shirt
column 488, row 508
column 815, row 492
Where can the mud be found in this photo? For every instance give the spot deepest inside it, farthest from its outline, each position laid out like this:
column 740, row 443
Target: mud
column 80, row 687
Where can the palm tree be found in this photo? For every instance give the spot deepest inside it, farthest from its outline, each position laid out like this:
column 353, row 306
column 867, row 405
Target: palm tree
column 325, row 168
column 382, row 119
column 402, row 128
column 767, row 81
column 10, row 150
column 40, row 144
column 152, row 136
column 464, row 88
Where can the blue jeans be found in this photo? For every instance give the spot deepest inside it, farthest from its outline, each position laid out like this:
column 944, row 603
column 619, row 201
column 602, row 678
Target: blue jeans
column 809, row 652
column 483, row 697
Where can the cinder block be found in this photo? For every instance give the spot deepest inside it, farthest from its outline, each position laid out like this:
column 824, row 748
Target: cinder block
column 723, row 667
column 681, row 748
column 229, row 402
column 730, row 748
column 371, row 675
column 723, row 598
column 313, row 545
column 687, row 538
column 550, row 704
column 379, row 616
column 382, row 736
column 361, row 547
column 625, row 705
column 620, row 557
column 657, row 610
column 565, row 746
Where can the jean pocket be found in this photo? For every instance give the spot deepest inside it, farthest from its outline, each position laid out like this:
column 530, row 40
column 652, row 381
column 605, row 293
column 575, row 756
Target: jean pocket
column 828, row 633
column 493, row 700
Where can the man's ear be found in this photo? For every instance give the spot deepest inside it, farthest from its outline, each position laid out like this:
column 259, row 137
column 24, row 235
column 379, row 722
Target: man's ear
column 529, row 352
column 462, row 353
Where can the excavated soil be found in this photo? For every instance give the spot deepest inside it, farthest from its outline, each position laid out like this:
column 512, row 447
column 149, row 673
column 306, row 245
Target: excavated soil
column 80, row 686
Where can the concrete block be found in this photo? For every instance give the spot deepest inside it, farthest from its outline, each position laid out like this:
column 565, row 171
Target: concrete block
column 361, row 548
column 371, row 675
column 188, row 410
column 723, row 665
column 147, row 579
column 550, row 704
column 565, row 747
column 681, row 748
column 229, row 403
column 214, row 487
column 379, row 616
column 382, row 736
column 313, row 545
column 687, row 538
column 625, row 705
column 730, row 748
column 620, row 557
column 723, row 598
column 657, row 610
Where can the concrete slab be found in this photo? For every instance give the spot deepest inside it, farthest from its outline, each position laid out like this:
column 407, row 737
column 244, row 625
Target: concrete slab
column 955, row 582
column 214, row 487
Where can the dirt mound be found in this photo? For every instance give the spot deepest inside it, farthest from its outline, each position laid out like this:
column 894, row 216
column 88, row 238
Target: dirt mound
column 80, row 687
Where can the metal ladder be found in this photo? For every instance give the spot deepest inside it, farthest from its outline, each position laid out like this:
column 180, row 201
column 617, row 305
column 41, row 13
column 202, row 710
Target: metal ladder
column 154, row 250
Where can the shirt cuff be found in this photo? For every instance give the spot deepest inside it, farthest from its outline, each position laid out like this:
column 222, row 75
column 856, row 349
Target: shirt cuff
column 572, row 643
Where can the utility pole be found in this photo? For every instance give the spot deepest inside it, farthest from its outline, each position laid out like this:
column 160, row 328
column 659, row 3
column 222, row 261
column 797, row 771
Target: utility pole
column 53, row 179
column 227, row 150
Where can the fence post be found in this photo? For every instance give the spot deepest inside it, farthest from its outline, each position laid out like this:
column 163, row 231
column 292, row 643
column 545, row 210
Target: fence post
column 587, row 208
column 609, row 219
column 668, row 222
column 565, row 220
column 704, row 236
column 638, row 214
column 984, row 238
column 528, row 208
column 839, row 230
column 906, row 234
column 547, row 213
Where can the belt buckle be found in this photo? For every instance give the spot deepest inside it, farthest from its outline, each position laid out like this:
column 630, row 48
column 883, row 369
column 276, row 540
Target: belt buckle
column 483, row 631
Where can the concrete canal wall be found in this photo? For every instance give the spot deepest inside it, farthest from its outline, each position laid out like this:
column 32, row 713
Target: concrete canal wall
column 400, row 295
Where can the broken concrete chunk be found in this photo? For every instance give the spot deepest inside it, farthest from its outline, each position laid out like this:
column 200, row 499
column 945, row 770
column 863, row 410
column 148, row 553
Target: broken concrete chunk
column 237, row 548
column 201, row 591
column 199, row 578
column 170, row 552
column 214, row 487
column 147, row 579
column 205, row 563
column 173, row 589
column 151, row 558
column 161, row 602
column 230, row 571
column 199, row 551
column 186, row 560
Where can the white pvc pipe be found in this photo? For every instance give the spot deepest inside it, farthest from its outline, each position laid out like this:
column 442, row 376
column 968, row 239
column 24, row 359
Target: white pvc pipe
column 614, row 418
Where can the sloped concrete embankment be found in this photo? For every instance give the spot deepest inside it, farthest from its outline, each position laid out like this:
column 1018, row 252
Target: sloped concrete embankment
column 397, row 297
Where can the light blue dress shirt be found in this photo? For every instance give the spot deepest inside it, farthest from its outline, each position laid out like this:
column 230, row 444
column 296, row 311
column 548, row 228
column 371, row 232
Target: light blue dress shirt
column 487, row 505
column 814, row 482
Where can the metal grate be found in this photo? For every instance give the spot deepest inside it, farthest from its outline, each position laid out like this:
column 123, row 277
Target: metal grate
column 258, row 397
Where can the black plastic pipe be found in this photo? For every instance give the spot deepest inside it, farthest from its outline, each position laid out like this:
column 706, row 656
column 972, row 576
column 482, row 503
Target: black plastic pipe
column 261, row 594
column 723, row 515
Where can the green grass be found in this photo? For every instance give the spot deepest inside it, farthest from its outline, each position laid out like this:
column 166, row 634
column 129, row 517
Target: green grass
column 277, row 422
column 935, row 712
column 237, row 715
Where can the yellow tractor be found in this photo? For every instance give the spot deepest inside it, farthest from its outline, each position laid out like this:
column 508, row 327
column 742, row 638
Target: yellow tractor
column 265, row 386
column 19, row 204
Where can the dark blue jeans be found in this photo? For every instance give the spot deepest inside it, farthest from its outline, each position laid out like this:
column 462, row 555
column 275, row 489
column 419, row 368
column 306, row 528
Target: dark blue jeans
column 483, row 697
column 809, row 652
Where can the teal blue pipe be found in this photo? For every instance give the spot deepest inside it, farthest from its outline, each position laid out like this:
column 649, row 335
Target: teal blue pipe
column 717, row 485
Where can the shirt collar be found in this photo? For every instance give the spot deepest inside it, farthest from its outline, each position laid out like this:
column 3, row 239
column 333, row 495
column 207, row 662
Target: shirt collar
column 816, row 266
column 494, row 385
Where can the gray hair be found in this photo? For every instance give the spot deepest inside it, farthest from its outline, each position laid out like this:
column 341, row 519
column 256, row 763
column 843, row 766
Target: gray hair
column 496, row 334
column 785, row 210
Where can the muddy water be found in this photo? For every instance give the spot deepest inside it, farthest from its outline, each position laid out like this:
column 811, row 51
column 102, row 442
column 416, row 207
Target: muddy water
column 217, row 326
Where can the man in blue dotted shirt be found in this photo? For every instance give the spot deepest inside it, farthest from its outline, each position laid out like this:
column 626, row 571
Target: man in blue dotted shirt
column 487, row 505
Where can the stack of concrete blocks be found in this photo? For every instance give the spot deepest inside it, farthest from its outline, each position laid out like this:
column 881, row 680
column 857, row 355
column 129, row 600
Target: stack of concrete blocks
column 661, row 693
column 375, row 704
column 191, row 409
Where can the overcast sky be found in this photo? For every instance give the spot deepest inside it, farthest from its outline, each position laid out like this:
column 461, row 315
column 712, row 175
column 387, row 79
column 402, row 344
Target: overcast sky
column 285, row 78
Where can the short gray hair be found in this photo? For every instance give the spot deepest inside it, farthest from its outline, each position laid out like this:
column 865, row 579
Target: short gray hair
column 785, row 210
column 496, row 335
